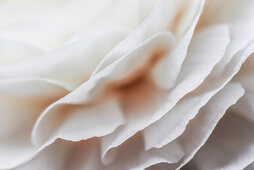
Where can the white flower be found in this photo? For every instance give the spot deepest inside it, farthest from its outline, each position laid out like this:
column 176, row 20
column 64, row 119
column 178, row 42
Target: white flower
column 126, row 84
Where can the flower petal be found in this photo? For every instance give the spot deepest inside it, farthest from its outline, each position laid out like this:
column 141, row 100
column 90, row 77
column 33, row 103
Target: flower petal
column 231, row 145
column 77, row 122
column 200, row 128
column 236, row 13
column 12, row 52
column 21, row 102
column 46, row 24
column 70, row 65
column 65, row 155
column 250, row 166
column 94, row 92
column 160, row 19
column 200, row 60
column 158, row 103
column 245, row 106
column 131, row 155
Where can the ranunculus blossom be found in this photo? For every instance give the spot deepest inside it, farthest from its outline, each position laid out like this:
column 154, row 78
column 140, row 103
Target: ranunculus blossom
column 126, row 84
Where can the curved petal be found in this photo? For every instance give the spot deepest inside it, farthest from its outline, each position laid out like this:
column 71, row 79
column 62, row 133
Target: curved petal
column 77, row 122
column 231, row 145
column 250, row 166
column 201, row 127
column 37, row 33
column 236, row 13
column 21, row 102
column 71, row 64
column 46, row 24
column 12, row 52
column 200, row 60
column 245, row 105
column 131, row 155
column 138, row 119
column 208, row 88
column 65, row 155
column 160, row 19
column 100, row 90
column 121, row 14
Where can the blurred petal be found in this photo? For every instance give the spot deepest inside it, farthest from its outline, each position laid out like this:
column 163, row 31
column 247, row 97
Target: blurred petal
column 46, row 24
column 70, row 65
column 46, row 35
column 21, row 102
column 250, row 167
column 200, row 128
column 64, row 155
column 238, row 15
column 231, row 145
column 245, row 106
column 120, row 14
column 131, row 155
column 12, row 52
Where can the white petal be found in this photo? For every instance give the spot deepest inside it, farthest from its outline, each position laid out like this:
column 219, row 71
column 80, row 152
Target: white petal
column 37, row 33
column 245, row 106
column 77, row 122
column 236, row 13
column 64, row 155
column 12, row 52
column 199, row 62
column 138, row 119
column 131, row 155
column 212, row 86
column 21, row 102
column 46, row 24
column 159, row 20
column 120, row 14
column 70, row 65
column 200, row 128
column 231, row 145
column 92, row 99
column 230, row 70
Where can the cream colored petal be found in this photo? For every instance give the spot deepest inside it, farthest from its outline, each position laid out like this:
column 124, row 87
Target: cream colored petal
column 70, row 65
column 21, row 102
column 230, row 70
column 77, row 122
column 231, row 145
column 94, row 98
column 69, row 11
column 131, row 155
column 65, row 155
column 120, row 14
column 168, row 69
column 210, row 87
column 53, row 157
column 200, row 60
column 201, row 127
column 46, row 24
column 160, row 102
column 236, row 13
column 12, row 52
column 160, row 19
column 245, row 105
column 46, row 35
